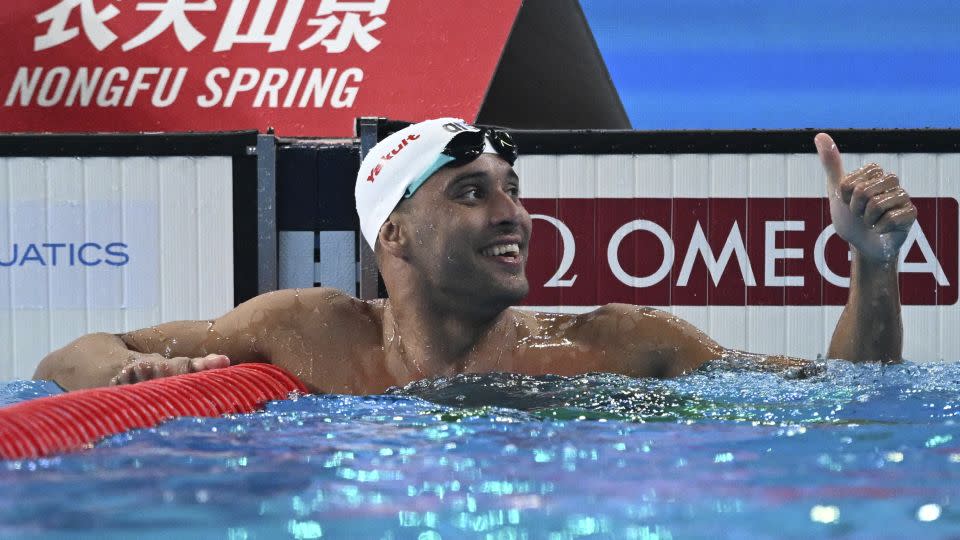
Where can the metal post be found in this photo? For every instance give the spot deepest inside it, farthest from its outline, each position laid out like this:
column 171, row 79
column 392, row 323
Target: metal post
column 368, row 274
column 266, row 213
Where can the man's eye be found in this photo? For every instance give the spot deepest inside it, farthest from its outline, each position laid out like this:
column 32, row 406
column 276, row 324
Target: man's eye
column 471, row 193
column 514, row 191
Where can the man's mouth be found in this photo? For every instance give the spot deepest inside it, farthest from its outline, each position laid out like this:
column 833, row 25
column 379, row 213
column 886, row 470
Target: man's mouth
column 503, row 250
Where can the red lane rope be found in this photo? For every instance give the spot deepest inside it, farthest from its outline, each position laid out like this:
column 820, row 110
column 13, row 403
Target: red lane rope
column 74, row 420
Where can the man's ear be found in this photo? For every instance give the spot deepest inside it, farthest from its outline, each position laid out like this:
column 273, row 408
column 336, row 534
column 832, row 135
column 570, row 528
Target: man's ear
column 391, row 236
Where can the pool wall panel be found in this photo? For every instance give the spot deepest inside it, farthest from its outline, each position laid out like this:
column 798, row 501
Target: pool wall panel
column 686, row 178
column 920, row 175
column 794, row 320
column 214, row 237
column 728, row 180
column 761, row 170
column 318, row 236
column 31, row 326
column 141, row 181
column 948, row 184
column 334, row 269
column 296, row 258
column 174, row 214
column 804, row 179
column 70, row 319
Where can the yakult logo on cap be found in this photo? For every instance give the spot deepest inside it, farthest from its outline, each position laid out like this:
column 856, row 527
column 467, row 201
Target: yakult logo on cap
column 389, row 155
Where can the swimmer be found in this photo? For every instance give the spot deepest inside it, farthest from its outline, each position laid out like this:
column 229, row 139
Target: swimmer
column 440, row 204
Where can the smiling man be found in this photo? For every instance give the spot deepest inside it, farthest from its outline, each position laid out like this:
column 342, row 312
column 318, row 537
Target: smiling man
column 439, row 202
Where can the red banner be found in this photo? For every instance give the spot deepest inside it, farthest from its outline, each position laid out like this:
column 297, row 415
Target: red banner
column 720, row 252
column 304, row 67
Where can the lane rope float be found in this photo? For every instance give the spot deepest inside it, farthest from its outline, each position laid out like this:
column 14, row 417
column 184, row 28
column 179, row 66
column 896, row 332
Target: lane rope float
column 76, row 420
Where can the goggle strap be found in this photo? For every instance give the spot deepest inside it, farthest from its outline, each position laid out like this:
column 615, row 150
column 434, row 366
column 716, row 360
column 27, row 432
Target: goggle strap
column 441, row 160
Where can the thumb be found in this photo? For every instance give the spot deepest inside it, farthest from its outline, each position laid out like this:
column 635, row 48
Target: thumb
column 830, row 158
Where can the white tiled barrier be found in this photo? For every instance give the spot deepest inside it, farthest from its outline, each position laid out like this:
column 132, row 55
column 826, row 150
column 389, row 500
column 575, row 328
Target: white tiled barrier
column 118, row 244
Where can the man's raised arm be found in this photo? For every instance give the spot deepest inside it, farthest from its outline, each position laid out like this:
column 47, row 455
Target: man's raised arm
column 873, row 213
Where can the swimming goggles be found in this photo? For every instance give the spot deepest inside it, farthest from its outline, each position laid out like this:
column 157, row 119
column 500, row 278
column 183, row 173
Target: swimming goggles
column 466, row 147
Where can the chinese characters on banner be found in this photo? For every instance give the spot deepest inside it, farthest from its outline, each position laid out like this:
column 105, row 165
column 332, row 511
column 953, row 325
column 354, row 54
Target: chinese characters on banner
column 306, row 67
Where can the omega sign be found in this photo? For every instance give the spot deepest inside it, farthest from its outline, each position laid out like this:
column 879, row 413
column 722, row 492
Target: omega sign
column 757, row 251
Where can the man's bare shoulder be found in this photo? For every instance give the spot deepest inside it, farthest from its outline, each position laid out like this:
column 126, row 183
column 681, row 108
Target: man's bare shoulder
column 611, row 321
column 317, row 305
column 320, row 299
column 642, row 341
column 625, row 320
column 610, row 318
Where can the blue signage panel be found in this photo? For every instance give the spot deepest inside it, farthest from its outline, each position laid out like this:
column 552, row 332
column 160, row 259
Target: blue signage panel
column 703, row 64
column 57, row 256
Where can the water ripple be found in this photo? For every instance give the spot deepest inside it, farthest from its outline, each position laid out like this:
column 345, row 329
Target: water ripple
column 723, row 452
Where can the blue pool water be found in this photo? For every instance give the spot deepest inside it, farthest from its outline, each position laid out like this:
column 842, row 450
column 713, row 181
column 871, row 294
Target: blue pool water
column 856, row 452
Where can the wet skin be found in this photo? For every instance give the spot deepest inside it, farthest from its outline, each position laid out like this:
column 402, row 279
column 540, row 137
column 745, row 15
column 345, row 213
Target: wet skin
column 453, row 259
column 336, row 343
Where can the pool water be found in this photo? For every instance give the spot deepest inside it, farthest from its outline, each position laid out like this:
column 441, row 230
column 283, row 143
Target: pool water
column 859, row 451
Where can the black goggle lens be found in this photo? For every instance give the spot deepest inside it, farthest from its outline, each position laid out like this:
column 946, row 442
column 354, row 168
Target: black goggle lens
column 504, row 145
column 468, row 146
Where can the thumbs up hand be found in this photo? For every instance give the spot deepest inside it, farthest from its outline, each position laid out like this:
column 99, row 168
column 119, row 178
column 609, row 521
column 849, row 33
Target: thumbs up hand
column 869, row 208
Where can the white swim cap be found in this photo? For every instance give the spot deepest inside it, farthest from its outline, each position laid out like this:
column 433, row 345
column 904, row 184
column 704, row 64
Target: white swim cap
column 398, row 165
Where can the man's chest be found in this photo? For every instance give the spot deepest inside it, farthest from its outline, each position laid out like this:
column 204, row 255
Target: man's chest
column 554, row 357
column 340, row 360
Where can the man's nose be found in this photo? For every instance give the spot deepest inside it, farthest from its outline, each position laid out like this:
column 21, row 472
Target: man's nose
column 505, row 209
